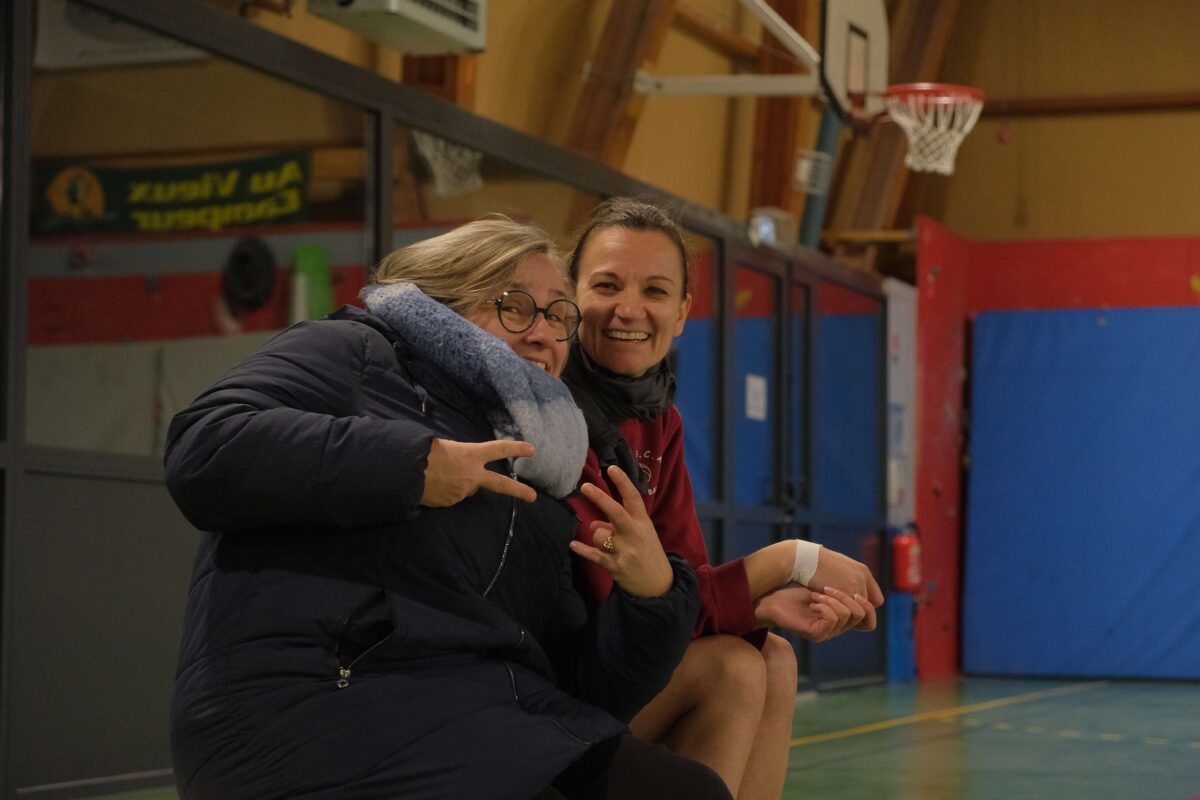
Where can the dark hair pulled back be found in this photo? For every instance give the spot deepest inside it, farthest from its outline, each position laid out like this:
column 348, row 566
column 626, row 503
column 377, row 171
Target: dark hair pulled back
column 636, row 215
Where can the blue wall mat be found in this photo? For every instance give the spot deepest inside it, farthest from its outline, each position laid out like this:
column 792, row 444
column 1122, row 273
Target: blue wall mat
column 696, row 396
column 848, row 414
column 1083, row 534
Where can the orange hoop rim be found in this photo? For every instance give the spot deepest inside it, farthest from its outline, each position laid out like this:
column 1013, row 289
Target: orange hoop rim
column 935, row 92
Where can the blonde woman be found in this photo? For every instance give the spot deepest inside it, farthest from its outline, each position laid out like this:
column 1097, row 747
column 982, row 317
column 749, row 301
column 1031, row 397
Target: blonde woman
column 383, row 604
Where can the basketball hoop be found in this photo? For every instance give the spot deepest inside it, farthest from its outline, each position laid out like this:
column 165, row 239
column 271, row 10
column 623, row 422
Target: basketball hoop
column 935, row 117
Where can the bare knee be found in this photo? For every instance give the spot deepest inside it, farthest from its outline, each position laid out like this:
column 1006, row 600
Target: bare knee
column 719, row 676
column 779, row 662
column 730, row 665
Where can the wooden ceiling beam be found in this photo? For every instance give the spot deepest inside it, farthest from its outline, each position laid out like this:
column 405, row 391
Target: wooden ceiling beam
column 607, row 112
column 1110, row 104
column 448, row 77
column 741, row 49
column 783, row 124
column 888, row 236
column 933, row 23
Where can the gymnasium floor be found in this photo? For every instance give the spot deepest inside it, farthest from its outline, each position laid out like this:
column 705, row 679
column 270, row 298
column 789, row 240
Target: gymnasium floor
column 981, row 739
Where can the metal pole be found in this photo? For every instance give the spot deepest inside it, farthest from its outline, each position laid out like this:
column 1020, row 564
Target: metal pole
column 814, row 205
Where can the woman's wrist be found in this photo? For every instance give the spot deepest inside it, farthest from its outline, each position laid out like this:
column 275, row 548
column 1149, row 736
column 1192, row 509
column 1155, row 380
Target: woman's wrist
column 805, row 564
column 771, row 567
column 654, row 583
column 666, row 580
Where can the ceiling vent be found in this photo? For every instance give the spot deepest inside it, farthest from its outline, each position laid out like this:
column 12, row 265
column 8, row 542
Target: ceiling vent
column 414, row 27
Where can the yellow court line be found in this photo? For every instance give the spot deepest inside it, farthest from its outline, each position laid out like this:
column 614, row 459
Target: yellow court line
column 946, row 712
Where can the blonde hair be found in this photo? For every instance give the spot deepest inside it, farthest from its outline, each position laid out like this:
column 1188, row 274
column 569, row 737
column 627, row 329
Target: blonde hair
column 470, row 264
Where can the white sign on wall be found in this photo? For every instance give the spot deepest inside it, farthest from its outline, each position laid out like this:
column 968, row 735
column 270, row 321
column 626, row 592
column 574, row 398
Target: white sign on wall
column 756, row 397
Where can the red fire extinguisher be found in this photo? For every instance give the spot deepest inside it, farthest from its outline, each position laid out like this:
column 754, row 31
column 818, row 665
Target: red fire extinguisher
column 906, row 560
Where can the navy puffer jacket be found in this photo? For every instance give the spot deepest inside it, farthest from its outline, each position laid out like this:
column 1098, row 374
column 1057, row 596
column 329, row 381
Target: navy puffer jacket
column 342, row 641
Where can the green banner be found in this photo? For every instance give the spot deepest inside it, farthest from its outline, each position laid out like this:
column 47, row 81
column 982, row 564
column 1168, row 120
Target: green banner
column 75, row 198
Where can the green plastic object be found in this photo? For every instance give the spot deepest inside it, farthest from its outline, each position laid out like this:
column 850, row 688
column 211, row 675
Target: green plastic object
column 312, row 288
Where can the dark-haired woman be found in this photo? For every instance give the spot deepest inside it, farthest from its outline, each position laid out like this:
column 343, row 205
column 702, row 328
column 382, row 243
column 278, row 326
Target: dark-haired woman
column 730, row 702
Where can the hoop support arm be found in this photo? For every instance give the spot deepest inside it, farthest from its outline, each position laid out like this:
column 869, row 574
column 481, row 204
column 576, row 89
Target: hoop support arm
column 778, row 27
column 727, row 85
column 746, row 85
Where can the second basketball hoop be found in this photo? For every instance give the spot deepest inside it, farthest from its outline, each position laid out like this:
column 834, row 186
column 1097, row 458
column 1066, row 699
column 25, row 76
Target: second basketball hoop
column 935, row 117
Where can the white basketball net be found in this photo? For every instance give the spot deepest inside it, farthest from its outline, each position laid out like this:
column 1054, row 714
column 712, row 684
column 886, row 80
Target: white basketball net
column 935, row 125
column 455, row 168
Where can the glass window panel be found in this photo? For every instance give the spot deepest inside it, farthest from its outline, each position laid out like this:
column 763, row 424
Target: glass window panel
column 181, row 212
column 755, row 387
column 440, row 184
column 847, row 429
column 798, row 394
column 695, row 360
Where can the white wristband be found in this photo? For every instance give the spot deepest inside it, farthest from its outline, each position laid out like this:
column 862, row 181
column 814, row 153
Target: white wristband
column 805, row 567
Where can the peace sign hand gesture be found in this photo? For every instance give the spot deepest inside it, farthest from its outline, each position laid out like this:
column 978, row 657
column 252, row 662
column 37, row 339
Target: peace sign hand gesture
column 456, row 470
column 629, row 548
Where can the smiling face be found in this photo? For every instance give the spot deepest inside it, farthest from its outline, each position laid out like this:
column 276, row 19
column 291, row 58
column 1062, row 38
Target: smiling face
column 538, row 276
column 631, row 295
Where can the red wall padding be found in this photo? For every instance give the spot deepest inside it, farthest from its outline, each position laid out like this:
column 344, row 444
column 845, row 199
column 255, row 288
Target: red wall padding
column 1096, row 273
column 957, row 279
column 942, row 264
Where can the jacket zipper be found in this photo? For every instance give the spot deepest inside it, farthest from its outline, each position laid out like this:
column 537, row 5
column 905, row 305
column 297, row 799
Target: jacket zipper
column 344, row 672
column 424, row 396
column 512, row 524
column 512, row 679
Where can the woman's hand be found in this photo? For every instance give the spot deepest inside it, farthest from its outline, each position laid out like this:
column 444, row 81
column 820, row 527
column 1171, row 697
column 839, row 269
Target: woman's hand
column 772, row 567
column 815, row 616
column 837, row 570
column 456, row 470
column 627, row 545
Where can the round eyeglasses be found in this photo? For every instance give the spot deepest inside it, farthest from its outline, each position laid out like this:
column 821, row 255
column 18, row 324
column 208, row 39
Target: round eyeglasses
column 518, row 312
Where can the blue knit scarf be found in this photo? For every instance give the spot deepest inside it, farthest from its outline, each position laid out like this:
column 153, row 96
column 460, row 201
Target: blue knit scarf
column 520, row 400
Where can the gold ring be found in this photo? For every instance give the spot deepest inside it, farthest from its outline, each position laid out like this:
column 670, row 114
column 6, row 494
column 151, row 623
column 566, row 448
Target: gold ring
column 610, row 544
